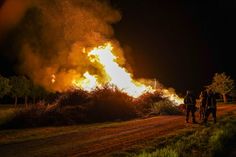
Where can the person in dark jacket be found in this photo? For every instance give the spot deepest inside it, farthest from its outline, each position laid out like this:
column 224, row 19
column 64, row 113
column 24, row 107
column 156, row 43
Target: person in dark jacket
column 202, row 104
column 190, row 102
column 210, row 106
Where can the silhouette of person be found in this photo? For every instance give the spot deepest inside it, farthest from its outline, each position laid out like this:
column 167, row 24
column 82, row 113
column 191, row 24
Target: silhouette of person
column 210, row 106
column 202, row 106
column 190, row 102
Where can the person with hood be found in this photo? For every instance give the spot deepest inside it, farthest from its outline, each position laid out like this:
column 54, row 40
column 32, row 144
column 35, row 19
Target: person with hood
column 190, row 102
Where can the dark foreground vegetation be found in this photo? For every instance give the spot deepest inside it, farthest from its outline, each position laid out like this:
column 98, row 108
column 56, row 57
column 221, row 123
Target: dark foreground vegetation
column 202, row 141
column 101, row 105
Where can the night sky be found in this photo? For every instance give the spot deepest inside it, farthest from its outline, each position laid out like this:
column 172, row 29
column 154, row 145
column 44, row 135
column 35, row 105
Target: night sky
column 181, row 43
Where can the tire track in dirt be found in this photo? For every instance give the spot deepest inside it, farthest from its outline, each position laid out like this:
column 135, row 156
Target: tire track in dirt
column 123, row 141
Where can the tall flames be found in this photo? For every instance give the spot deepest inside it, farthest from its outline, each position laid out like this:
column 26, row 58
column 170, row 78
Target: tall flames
column 114, row 75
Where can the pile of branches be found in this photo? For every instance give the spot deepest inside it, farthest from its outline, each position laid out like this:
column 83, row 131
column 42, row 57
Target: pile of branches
column 77, row 106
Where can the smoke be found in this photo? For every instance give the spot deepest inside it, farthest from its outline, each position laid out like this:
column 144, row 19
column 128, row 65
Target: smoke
column 11, row 12
column 55, row 34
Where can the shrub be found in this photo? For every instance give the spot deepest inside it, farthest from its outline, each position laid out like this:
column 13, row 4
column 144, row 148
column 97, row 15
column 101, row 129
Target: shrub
column 25, row 117
column 77, row 106
column 164, row 152
column 73, row 97
column 145, row 102
column 165, row 107
column 111, row 104
column 107, row 104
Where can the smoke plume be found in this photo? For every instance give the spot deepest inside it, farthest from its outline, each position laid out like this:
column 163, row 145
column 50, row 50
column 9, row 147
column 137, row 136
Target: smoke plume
column 11, row 12
column 54, row 34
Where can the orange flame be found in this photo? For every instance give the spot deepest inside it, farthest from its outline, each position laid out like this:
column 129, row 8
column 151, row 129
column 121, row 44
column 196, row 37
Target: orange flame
column 88, row 83
column 114, row 75
column 53, row 78
column 172, row 97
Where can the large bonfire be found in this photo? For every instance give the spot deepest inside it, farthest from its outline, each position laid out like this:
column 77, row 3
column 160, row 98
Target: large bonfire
column 70, row 44
column 113, row 75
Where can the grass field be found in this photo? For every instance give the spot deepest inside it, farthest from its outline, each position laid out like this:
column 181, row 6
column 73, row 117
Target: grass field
column 139, row 137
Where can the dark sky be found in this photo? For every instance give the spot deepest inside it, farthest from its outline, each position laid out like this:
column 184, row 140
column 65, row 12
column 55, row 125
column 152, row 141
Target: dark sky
column 181, row 43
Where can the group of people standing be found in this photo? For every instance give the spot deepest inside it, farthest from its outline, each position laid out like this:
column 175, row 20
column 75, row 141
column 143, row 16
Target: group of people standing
column 207, row 105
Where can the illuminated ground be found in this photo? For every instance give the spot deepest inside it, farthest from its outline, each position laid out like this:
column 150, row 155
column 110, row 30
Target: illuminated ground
column 91, row 140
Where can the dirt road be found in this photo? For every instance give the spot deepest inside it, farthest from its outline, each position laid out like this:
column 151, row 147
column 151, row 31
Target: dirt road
column 99, row 141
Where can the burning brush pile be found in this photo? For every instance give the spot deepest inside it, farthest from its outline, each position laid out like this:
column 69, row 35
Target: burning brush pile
column 92, row 98
column 79, row 106
column 68, row 46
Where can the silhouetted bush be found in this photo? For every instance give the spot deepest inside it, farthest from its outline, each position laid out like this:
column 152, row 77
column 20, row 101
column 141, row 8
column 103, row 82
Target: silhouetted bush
column 145, row 102
column 73, row 97
column 26, row 117
column 76, row 107
column 111, row 104
column 165, row 107
column 52, row 97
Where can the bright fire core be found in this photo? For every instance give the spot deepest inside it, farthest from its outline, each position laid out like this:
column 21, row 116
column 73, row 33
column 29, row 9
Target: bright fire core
column 113, row 75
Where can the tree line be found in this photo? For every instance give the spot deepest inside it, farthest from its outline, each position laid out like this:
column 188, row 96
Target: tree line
column 20, row 87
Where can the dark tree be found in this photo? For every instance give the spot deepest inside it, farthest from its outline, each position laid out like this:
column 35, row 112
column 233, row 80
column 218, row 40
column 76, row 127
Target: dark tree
column 4, row 86
column 37, row 92
column 20, row 87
